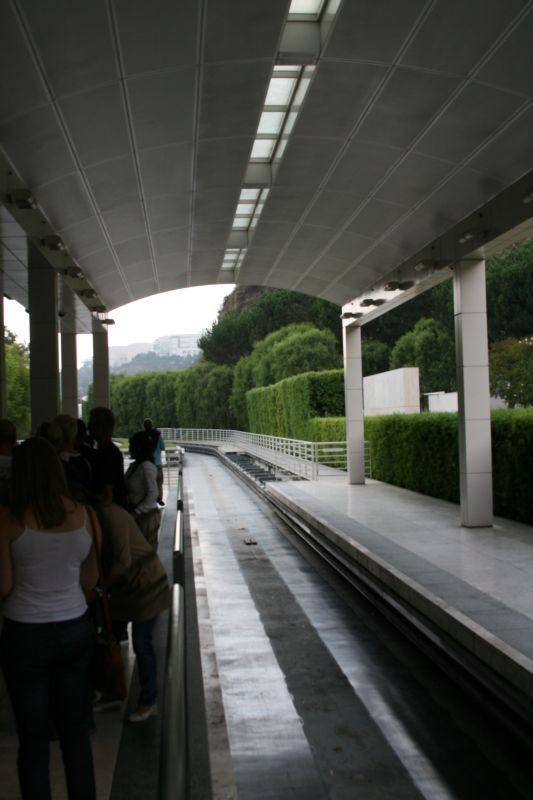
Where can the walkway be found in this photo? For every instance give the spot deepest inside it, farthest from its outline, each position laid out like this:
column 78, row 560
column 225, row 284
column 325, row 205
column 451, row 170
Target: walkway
column 475, row 583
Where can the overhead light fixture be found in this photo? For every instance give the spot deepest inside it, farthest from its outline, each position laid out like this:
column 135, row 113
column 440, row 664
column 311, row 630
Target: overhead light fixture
column 468, row 236
column 351, row 314
column 370, row 301
column 53, row 243
column 107, row 321
column 89, row 293
column 73, row 272
column 99, row 309
column 22, row 198
column 423, row 265
column 394, row 286
column 528, row 197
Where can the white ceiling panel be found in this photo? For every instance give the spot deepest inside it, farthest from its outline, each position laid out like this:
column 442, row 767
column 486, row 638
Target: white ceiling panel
column 122, row 220
column 133, row 124
column 473, row 27
column 157, row 104
column 81, row 39
column 36, row 144
column 166, row 170
column 113, row 183
column 106, row 138
column 157, row 36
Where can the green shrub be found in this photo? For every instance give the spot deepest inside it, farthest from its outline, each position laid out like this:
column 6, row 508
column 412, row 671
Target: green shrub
column 512, row 457
column 420, row 452
column 416, row 451
column 286, row 408
column 327, row 429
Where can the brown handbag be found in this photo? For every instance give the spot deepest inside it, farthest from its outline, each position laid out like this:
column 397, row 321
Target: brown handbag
column 109, row 676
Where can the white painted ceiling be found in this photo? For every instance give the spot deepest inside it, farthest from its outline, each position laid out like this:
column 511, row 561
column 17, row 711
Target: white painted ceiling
column 132, row 124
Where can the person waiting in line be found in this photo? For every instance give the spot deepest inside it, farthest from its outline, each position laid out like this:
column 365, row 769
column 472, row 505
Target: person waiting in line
column 47, row 566
column 142, row 488
column 8, row 440
column 51, row 431
column 77, row 470
column 158, row 445
column 138, row 590
column 108, row 465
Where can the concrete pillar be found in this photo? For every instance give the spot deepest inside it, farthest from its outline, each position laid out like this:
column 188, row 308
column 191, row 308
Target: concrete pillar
column 44, row 357
column 101, row 393
column 69, row 375
column 3, row 383
column 472, row 358
column 353, row 394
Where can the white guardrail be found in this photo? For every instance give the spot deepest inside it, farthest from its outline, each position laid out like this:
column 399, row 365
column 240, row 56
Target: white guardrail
column 307, row 459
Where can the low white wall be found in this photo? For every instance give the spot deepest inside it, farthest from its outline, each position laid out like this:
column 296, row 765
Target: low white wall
column 442, row 401
column 447, row 401
column 393, row 392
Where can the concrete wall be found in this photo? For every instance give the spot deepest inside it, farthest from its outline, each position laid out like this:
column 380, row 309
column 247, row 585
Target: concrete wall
column 393, row 392
column 447, row 401
column 442, row 401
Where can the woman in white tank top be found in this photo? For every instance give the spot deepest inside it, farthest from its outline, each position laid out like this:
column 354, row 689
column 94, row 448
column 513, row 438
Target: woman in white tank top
column 47, row 564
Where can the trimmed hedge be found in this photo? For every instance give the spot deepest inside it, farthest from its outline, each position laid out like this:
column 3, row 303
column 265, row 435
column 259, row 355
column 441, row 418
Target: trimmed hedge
column 285, row 408
column 512, row 455
column 327, row 429
column 420, row 452
column 416, row 451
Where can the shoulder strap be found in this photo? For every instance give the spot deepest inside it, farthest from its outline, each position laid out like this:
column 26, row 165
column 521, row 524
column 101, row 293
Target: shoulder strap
column 105, row 603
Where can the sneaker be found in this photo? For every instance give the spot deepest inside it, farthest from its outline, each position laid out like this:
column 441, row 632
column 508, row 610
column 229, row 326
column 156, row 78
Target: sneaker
column 105, row 703
column 142, row 713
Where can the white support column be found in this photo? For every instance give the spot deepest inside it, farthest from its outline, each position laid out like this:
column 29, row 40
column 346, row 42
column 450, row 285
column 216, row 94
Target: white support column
column 472, row 358
column 353, row 394
column 69, row 375
column 44, row 356
column 3, row 382
column 101, row 393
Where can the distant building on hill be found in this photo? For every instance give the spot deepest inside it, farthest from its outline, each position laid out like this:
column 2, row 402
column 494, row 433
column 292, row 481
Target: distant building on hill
column 183, row 344
column 121, row 354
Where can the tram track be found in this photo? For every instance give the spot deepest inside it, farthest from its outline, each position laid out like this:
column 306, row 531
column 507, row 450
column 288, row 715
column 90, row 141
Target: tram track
column 501, row 708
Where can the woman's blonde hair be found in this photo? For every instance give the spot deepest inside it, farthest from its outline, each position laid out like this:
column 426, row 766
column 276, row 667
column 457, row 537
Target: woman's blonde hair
column 38, row 483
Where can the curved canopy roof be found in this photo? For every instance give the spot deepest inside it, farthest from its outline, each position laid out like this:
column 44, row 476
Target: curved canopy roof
column 369, row 139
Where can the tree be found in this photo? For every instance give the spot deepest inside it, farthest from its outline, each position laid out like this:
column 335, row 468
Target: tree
column 430, row 348
column 510, row 294
column 17, row 384
column 376, row 356
column 233, row 335
column 511, row 371
column 202, row 397
column 291, row 350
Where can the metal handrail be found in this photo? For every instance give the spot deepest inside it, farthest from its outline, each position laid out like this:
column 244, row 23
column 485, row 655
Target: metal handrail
column 173, row 758
column 306, row 459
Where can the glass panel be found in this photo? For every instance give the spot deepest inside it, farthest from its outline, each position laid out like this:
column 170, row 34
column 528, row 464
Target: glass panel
column 270, row 122
column 249, row 194
column 241, row 222
column 305, row 7
column 264, row 195
column 263, row 149
column 245, row 208
column 289, row 69
column 280, row 91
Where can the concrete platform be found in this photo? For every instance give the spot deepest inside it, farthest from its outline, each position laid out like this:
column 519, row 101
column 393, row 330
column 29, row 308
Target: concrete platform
column 476, row 584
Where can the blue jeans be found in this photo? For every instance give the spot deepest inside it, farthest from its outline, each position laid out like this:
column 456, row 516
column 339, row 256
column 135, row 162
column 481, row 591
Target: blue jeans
column 47, row 674
column 141, row 637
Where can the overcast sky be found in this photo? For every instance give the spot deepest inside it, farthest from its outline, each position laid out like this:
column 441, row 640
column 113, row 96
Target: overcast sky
column 183, row 311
